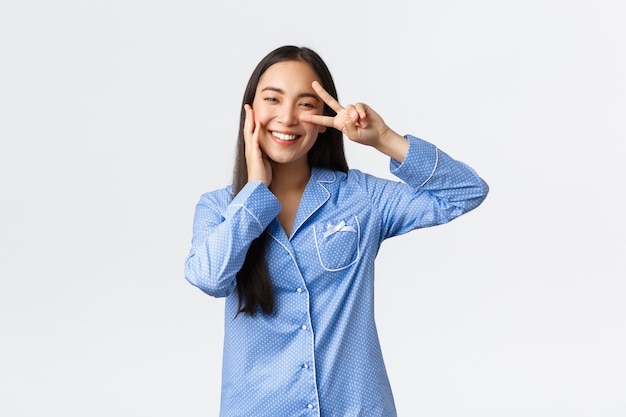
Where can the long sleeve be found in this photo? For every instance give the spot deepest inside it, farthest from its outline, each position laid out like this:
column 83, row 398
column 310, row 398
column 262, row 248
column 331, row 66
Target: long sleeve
column 435, row 189
column 222, row 233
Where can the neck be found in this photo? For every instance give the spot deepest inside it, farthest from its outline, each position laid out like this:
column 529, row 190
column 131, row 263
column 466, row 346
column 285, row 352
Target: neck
column 290, row 177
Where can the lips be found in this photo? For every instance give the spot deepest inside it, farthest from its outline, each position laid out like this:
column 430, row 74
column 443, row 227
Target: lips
column 284, row 136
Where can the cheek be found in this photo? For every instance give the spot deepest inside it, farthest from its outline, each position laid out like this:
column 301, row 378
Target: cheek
column 262, row 115
column 261, row 111
column 314, row 130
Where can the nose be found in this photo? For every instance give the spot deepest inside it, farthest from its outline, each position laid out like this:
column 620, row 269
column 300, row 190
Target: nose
column 289, row 116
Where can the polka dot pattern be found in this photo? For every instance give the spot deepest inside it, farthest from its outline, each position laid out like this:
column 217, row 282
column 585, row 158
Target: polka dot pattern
column 319, row 353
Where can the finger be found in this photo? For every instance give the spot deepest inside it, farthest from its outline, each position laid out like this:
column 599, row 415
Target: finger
column 353, row 113
column 327, row 98
column 249, row 120
column 318, row 119
column 350, row 129
column 253, row 147
column 254, row 133
column 361, row 108
column 357, row 114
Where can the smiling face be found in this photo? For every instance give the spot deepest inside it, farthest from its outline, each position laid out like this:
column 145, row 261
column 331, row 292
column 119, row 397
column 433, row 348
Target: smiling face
column 283, row 93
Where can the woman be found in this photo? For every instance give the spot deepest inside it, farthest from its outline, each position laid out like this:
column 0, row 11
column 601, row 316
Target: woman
column 292, row 243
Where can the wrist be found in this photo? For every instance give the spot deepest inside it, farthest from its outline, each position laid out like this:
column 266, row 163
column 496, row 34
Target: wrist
column 393, row 145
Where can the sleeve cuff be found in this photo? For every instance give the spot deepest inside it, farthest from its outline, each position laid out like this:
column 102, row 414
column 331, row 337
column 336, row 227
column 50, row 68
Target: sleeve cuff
column 418, row 165
column 257, row 200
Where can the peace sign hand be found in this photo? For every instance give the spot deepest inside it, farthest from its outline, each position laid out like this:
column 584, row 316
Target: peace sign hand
column 359, row 122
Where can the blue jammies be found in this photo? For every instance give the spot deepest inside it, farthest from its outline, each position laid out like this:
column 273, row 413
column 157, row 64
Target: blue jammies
column 319, row 353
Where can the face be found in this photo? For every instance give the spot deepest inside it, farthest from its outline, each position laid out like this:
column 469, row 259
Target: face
column 283, row 94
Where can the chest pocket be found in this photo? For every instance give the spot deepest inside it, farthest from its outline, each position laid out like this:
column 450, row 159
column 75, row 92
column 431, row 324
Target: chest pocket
column 338, row 244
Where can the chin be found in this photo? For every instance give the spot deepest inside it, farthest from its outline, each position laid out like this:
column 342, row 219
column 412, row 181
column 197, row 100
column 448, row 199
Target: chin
column 286, row 159
column 282, row 160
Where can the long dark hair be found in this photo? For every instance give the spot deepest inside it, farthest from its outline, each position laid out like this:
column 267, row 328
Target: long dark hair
column 253, row 280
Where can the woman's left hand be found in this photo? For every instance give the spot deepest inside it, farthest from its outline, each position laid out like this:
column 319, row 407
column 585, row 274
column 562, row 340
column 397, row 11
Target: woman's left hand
column 359, row 122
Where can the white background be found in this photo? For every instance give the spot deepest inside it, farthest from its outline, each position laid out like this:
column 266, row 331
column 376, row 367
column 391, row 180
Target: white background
column 116, row 115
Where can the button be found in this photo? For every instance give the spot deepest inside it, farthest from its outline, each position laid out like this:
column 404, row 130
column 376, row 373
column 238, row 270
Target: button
column 310, row 406
column 299, row 290
column 303, row 327
column 305, row 366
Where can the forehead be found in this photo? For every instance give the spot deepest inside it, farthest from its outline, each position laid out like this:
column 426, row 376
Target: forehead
column 288, row 74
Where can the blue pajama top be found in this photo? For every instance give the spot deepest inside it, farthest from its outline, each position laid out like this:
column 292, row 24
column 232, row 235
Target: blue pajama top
column 318, row 354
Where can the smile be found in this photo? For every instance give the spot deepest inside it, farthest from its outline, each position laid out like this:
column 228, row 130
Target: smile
column 284, row 136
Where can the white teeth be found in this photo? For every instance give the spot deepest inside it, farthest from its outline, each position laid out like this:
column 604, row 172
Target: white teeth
column 283, row 136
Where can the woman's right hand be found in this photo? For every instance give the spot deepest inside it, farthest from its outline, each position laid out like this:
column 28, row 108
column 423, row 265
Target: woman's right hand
column 259, row 168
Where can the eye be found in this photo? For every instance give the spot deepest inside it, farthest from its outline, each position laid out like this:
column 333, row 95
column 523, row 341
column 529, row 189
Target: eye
column 308, row 105
column 271, row 99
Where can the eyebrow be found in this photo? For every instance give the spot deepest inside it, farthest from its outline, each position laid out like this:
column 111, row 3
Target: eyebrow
column 280, row 91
